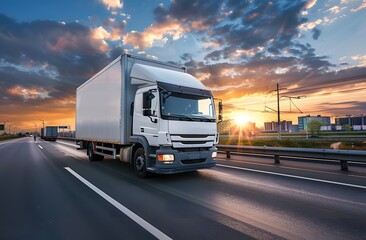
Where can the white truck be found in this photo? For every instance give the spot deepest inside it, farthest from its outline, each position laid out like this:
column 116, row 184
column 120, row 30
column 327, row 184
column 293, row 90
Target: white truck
column 154, row 115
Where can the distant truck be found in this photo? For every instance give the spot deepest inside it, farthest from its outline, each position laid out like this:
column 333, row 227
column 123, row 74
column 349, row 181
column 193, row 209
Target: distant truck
column 152, row 114
column 49, row 133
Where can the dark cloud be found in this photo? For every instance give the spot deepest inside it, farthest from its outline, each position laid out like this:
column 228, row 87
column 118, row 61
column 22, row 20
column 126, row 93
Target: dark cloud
column 234, row 80
column 343, row 108
column 315, row 33
column 43, row 62
column 186, row 56
column 71, row 47
column 188, row 11
column 259, row 35
column 272, row 25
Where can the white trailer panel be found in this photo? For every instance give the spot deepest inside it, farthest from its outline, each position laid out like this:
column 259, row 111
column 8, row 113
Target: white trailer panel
column 98, row 106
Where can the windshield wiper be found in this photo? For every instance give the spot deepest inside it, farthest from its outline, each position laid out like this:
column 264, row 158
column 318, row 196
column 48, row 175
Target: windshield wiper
column 202, row 117
column 165, row 93
column 181, row 116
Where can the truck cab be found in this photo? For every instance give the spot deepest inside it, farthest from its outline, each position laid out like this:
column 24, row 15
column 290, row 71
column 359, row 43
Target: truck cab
column 176, row 123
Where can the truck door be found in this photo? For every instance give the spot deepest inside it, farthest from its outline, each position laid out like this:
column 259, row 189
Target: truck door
column 146, row 120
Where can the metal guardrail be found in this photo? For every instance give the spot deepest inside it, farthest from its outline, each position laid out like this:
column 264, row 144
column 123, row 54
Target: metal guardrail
column 343, row 156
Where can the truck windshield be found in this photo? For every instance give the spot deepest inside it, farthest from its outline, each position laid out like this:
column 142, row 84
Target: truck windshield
column 187, row 107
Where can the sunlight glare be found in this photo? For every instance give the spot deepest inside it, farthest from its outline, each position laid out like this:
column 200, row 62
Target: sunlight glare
column 241, row 119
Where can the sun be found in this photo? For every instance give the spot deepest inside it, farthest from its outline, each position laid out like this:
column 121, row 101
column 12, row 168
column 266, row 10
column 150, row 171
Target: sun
column 241, row 119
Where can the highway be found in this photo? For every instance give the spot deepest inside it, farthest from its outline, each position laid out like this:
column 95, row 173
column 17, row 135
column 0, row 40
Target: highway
column 49, row 190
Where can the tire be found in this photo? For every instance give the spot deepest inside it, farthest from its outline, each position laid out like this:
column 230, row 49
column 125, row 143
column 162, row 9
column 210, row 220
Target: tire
column 91, row 153
column 139, row 163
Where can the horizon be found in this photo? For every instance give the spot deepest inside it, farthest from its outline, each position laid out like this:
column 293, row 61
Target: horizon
column 239, row 50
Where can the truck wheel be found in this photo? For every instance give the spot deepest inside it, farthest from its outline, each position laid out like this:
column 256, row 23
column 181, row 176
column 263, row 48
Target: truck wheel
column 139, row 163
column 91, row 153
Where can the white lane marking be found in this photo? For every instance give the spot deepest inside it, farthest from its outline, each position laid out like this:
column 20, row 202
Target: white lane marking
column 40, row 146
column 150, row 228
column 293, row 176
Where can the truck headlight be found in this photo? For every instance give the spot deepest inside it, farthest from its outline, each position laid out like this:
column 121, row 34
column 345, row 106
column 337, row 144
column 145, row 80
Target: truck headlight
column 214, row 154
column 165, row 157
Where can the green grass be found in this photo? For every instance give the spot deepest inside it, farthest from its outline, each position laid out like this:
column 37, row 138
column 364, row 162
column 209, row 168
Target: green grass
column 324, row 144
column 7, row 137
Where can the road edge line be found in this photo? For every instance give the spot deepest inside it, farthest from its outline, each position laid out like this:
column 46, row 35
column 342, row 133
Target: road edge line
column 140, row 221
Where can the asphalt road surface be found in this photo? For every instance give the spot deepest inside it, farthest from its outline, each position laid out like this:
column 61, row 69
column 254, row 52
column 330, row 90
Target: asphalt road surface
column 49, row 190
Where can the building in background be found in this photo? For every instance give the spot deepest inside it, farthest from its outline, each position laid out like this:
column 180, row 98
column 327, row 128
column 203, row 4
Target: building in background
column 356, row 123
column 286, row 126
column 303, row 121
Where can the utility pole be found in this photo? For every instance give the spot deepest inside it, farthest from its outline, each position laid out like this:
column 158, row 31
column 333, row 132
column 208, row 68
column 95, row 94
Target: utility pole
column 278, row 89
column 42, row 123
column 278, row 112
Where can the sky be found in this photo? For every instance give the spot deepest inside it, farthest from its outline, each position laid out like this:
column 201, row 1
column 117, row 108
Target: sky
column 315, row 51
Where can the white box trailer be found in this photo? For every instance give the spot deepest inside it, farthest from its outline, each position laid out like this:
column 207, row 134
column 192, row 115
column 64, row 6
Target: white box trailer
column 152, row 114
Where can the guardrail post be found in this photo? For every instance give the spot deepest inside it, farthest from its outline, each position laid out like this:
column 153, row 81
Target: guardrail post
column 227, row 154
column 344, row 165
column 277, row 159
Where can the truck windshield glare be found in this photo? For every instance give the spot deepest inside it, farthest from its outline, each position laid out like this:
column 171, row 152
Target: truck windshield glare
column 187, row 107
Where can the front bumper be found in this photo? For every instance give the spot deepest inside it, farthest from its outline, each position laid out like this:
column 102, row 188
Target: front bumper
column 184, row 161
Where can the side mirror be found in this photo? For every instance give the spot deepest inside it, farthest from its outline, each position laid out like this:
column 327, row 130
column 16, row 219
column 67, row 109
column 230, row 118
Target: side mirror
column 147, row 97
column 146, row 105
column 220, row 111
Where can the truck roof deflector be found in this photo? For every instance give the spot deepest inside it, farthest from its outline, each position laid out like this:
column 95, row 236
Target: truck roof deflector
column 143, row 74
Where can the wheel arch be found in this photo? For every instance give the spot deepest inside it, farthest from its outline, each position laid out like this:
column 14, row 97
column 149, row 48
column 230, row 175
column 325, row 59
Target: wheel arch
column 140, row 141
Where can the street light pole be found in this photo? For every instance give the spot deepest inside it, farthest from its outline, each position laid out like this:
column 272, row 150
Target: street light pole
column 42, row 123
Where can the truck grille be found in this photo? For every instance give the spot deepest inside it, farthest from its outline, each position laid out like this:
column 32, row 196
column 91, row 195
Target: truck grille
column 192, row 141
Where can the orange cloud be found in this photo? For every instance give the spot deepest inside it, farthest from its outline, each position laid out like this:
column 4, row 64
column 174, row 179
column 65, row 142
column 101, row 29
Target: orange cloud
column 361, row 59
column 63, row 42
column 362, row 6
column 28, row 93
column 310, row 4
column 155, row 33
column 112, row 4
column 99, row 34
column 69, row 41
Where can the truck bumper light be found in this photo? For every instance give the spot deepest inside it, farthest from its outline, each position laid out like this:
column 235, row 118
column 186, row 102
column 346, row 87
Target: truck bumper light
column 214, row 154
column 165, row 157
